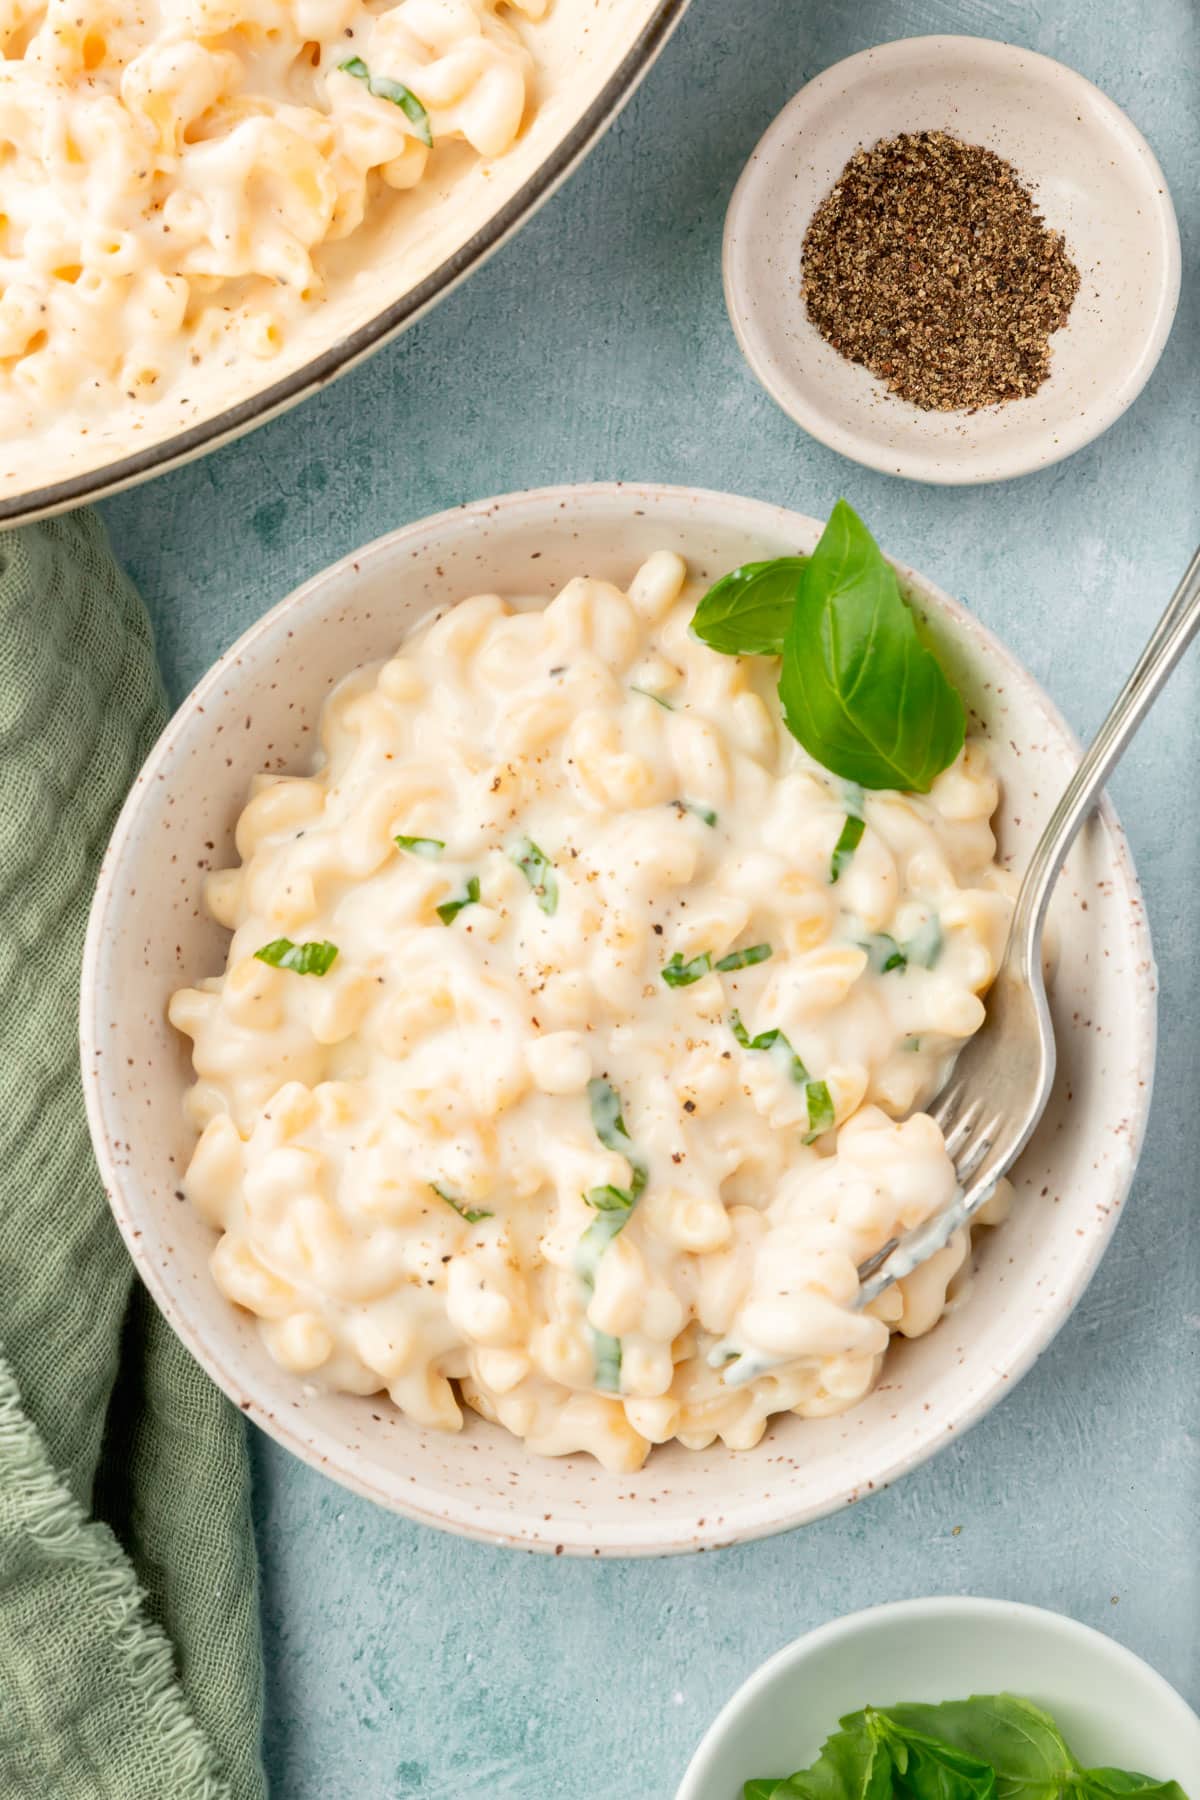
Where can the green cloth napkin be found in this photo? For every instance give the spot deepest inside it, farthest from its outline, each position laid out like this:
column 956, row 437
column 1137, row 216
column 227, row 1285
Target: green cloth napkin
column 130, row 1666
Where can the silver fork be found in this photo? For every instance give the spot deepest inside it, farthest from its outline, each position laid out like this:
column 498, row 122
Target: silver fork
column 1000, row 1084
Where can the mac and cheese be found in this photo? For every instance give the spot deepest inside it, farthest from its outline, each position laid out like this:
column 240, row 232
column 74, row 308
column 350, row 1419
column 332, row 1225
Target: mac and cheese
column 171, row 172
column 570, row 1053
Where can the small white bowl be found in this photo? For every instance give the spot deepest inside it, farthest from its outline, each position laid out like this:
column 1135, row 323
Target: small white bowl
column 257, row 709
column 1093, row 176
column 1112, row 1708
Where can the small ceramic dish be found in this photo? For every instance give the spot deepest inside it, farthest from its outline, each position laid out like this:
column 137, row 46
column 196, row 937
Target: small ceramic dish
column 1113, row 1709
column 257, row 709
column 1093, row 177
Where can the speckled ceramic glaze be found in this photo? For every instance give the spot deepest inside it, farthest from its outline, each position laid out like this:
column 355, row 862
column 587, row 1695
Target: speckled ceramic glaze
column 1112, row 1708
column 257, row 709
column 1093, row 177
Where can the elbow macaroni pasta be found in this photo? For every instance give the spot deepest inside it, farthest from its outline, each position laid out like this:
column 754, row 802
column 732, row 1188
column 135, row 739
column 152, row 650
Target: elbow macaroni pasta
column 172, row 172
column 492, row 1155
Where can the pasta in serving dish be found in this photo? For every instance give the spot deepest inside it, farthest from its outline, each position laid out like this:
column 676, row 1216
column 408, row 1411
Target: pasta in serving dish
column 571, row 1047
column 172, row 173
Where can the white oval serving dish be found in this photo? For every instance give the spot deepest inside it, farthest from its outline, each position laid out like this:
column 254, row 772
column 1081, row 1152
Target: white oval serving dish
column 257, row 708
column 1094, row 178
column 1113, row 1709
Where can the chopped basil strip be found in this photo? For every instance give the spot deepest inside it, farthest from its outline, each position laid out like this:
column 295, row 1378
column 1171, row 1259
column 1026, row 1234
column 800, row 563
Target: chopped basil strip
column 847, row 844
column 884, row 953
column 315, row 958
column 820, row 1109
column 775, row 1041
column 384, row 88
column 468, row 1213
column 658, row 699
column 925, row 945
column 418, row 846
column 608, row 1361
column 607, row 1122
column 609, row 1127
column 678, row 973
column 538, row 871
column 596, row 1239
column 701, row 812
column 742, row 1035
column 744, row 959
column 816, row 1093
column 854, row 799
column 610, row 1199
column 591, row 1247
column 921, row 950
column 449, row 910
column 747, row 1365
column 911, row 1043
column 614, row 1208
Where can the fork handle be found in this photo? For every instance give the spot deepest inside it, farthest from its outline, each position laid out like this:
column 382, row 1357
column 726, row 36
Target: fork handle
column 1171, row 637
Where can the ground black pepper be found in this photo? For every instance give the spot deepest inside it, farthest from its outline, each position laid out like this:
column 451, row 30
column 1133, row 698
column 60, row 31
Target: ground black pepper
column 929, row 264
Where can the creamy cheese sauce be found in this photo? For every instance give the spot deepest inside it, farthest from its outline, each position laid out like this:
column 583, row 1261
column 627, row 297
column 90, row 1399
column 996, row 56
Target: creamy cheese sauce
column 492, row 1155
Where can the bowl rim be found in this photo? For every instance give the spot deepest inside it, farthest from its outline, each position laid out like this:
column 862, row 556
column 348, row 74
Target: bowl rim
column 269, row 402
column 931, row 1607
column 453, row 1513
column 967, row 466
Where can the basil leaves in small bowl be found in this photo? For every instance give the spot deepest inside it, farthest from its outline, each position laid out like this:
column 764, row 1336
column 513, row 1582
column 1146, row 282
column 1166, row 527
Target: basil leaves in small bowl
column 860, row 688
column 981, row 1748
column 951, row 1699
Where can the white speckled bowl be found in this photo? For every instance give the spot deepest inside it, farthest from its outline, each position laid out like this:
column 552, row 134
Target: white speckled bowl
column 1112, row 1708
column 1094, row 177
column 257, row 709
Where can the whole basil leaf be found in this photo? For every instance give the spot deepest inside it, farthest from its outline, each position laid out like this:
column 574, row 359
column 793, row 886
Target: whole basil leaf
column 924, row 1768
column 1115, row 1784
column 1021, row 1742
column 852, row 1762
column 859, row 689
column 747, row 612
column 789, row 1787
column 853, row 1765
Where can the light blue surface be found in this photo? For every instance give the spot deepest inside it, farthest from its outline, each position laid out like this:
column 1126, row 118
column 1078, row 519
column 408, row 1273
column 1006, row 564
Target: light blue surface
column 403, row 1663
